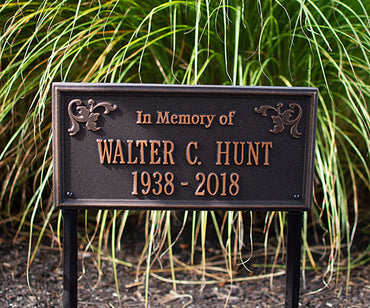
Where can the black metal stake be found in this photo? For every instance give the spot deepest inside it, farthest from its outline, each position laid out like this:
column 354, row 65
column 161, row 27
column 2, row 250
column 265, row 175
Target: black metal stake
column 293, row 265
column 70, row 258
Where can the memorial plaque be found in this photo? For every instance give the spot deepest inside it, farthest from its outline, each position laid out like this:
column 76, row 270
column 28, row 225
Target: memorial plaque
column 183, row 147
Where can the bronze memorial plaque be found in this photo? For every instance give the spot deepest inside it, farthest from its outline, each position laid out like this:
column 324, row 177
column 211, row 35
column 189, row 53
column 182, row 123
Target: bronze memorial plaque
column 183, row 147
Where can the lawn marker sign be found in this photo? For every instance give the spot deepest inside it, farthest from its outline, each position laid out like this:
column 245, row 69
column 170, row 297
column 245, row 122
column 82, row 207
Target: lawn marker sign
column 175, row 147
column 183, row 147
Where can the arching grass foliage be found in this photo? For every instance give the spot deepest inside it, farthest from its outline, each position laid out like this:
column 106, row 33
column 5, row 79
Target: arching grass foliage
column 316, row 43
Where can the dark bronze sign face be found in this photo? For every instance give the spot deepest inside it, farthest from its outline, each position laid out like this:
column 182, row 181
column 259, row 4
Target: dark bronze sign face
column 183, row 147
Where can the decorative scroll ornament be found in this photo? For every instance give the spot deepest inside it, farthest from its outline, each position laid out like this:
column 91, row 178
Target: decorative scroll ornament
column 86, row 115
column 283, row 119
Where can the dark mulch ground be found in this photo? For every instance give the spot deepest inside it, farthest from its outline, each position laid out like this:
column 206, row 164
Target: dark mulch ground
column 45, row 290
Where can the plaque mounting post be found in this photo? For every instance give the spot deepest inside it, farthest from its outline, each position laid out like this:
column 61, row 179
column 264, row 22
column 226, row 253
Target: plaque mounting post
column 293, row 259
column 69, row 258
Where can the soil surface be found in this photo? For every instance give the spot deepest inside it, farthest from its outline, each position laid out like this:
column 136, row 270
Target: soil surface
column 46, row 275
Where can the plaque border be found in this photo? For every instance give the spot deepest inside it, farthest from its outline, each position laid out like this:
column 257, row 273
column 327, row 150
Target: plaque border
column 63, row 202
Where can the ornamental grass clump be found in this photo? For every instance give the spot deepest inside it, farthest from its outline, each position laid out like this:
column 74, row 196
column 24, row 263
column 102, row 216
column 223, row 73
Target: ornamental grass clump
column 313, row 43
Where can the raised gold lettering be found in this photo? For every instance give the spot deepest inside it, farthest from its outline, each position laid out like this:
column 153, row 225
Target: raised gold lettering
column 166, row 118
column 195, row 119
column 174, row 119
column 200, row 177
column 129, row 159
column 243, row 152
column 146, row 182
column 223, row 190
column 191, row 161
column 220, row 152
column 238, row 153
column 141, row 144
column 118, row 153
column 267, row 145
column 139, row 114
column 137, row 152
column 231, row 115
column 154, row 152
column 105, row 153
column 210, row 184
column 134, row 183
column 158, row 182
column 143, row 118
column 253, row 152
column 163, row 119
column 234, row 179
column 184, row 119
column 169, row 147
column 216, row 182
column 168, row 187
